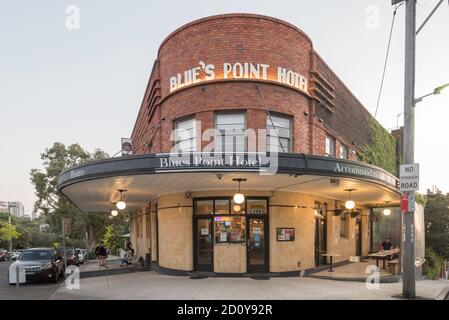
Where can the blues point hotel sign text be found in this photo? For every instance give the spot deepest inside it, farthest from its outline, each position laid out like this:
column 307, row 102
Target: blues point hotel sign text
column 238, row 70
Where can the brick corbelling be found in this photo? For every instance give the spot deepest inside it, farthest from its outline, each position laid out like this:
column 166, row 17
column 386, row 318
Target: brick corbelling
column 140, row 120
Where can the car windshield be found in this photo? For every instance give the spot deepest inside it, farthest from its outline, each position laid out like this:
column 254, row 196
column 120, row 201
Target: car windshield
column 36, row 255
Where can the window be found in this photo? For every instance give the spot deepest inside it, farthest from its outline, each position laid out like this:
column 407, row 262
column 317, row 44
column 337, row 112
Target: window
column 222, row 206
column 343, row 226
column 229, row 229
column 204, row 206
column 256, row 206
column 330, row 146
column 343, row 152
column 185, row 135
column 230, row 136
column 278, row 134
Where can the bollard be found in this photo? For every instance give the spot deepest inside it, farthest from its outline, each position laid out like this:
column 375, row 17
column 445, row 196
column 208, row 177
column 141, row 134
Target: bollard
column 17, row 276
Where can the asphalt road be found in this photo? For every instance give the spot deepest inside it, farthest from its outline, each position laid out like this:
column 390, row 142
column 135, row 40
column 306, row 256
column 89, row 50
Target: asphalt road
column 29, row 291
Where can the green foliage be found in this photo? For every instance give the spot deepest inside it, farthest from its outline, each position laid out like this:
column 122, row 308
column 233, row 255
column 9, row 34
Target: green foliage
column 436, row 219
column 434, row 264
column 54, row 205
column 8, row 231
column 420, row 199
column 114, row 231
column 381, row 151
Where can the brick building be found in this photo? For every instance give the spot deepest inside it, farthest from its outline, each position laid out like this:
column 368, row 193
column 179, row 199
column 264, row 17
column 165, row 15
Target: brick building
column 229, row 98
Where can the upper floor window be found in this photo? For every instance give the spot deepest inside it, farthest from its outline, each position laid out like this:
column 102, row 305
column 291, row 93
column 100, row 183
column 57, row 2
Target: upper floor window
column 330, row 146
column 185, row 135
column 343, row 152
column 278, row 133
column 230, row 132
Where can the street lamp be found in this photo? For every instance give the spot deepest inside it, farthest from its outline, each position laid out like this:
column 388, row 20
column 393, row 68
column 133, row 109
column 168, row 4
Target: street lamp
column 437, row 90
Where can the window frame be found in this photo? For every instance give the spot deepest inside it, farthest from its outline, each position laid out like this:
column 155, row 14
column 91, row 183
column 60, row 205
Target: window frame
column 344, row 147
column 290, row 131
column 332, row 139
column 176, row 142
column 243, row 214
column 230, row 112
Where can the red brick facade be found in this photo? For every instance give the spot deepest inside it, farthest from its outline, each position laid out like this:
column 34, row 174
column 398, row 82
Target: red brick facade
column 327, row 108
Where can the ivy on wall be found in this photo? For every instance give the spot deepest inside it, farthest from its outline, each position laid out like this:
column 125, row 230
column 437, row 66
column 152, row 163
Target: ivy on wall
column 381, row 151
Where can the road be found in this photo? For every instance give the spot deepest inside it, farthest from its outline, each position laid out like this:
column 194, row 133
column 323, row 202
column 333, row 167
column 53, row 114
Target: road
column 32, row 291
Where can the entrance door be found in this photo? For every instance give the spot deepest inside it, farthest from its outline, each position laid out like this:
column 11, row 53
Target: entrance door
column 204, row 245
column 358, row 240
column 320, row 241
column 257, row 245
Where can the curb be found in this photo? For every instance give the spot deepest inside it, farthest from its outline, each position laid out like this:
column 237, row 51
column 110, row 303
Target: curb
column 112, row 272
column 443, row 295
column 386, row 279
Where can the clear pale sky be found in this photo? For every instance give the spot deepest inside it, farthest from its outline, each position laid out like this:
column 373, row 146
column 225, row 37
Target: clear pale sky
column 85, row 86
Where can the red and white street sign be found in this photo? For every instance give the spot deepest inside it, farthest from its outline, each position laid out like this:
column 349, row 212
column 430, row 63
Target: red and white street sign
column 404, row 202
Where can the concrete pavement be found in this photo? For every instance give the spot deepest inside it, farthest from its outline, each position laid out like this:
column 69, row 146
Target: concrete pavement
column 151, row 285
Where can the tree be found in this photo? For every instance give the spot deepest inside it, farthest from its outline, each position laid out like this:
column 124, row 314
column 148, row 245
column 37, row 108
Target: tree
column 437, row 223
column 8, row 231
column 54, row 205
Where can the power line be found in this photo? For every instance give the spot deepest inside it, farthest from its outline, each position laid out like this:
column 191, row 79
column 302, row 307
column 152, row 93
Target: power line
column 386, row 58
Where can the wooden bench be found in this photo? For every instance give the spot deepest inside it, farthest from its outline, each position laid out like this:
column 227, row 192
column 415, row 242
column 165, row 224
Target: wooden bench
column 393, row 266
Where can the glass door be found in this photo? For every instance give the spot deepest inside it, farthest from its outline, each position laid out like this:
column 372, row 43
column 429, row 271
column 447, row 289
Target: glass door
column 204, row 245
column 320, row 233
column 257, row 246
column 358, row 233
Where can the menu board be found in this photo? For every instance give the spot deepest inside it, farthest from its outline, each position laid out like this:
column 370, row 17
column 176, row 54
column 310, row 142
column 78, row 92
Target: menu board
column 285, row 234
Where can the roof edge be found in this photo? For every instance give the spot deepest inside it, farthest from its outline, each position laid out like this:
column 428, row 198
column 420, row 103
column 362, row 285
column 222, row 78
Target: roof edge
column 233, row 15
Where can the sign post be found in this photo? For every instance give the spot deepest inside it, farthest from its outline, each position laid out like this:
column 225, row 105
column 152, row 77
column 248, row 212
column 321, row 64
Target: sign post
column 408, row 184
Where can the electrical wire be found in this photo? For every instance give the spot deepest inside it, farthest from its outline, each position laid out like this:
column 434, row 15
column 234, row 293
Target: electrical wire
column 386, row 58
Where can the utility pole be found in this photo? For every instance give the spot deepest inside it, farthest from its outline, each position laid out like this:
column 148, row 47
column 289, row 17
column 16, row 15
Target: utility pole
column 408, row 225
column 9, row 221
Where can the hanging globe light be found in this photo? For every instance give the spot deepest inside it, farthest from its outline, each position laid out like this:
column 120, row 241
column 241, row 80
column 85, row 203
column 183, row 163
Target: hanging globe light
column 114, row 213
column 350, row 204
column 121, row 205
column 239, row 198
column 386, row 211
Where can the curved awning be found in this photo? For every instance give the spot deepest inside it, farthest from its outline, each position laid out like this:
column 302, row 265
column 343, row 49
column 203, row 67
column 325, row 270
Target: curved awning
column 93, row 186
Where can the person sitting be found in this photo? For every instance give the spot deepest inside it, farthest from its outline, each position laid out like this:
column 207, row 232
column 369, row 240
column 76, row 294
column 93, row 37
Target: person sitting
column 387, row 245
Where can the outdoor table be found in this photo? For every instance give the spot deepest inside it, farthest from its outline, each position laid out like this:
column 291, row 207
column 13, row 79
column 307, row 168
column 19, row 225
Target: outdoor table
column 378, row 255
column 331, row 255
column 383, row 255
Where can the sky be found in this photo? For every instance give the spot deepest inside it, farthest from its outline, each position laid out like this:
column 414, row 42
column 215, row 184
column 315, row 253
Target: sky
column 85, row 85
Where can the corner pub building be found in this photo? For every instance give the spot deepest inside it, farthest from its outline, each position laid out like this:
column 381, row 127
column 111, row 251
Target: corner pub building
column 231, row 73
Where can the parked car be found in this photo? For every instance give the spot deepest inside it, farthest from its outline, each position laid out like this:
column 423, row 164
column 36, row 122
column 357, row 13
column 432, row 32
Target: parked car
column 39, row 263
column 81, row 255
column 4, row 255
column 70, row 255
column 14, row 255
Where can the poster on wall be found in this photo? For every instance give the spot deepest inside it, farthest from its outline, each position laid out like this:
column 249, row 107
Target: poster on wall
column 285, row 234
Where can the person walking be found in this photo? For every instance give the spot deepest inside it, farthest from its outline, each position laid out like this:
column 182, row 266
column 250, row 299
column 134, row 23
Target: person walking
column 101, row 253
